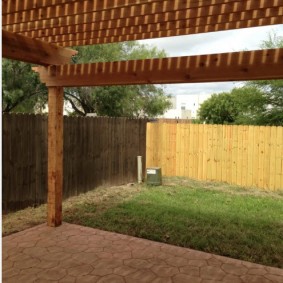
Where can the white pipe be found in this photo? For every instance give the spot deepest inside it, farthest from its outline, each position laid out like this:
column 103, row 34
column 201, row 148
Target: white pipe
column 139, row 169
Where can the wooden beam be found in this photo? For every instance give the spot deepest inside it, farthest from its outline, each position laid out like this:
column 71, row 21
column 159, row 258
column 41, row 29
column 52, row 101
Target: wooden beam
column 90, row 16
column 18, row 47
column 55, row 156
column 235, row 66
column 142, row 24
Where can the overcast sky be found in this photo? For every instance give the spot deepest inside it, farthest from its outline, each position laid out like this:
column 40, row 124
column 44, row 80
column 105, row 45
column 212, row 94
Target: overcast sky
column 209, row 43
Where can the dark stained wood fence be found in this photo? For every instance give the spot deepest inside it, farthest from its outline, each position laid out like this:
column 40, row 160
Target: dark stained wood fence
column 97, row 151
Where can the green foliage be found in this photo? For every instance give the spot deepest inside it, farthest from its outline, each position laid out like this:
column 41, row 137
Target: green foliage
column 272, row 90
column 256, row 103
column 127, row 101
column 23, row 92
column 21, row 88
column 219, row 109
column 243, row 105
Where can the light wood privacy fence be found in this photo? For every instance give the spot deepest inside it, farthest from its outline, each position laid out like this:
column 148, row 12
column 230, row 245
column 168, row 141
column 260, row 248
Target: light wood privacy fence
column 249, row 156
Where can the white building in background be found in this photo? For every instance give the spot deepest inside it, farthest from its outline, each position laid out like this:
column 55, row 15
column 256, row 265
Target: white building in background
column 185, row 106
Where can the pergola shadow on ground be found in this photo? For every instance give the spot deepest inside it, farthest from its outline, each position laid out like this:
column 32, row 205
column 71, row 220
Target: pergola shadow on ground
column 72, row 253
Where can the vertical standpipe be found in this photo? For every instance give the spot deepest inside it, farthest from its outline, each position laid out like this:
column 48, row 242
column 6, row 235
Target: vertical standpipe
column 139, row 158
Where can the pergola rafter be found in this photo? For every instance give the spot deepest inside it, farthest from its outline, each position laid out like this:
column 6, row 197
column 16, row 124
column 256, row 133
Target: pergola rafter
column 38, row 31
column 120, row 8
column 169, row 20
column 155, row 31
column 183, row 9
column 35, row 51
column 235, row 66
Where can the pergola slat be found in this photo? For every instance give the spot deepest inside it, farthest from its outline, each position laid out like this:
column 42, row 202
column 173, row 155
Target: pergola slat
column 31, row 50
column 13, row 6
column 126, row 7
column 170, row 20
column 17, row 7
column 89, row 40
column 235, row 66
column 142, row 10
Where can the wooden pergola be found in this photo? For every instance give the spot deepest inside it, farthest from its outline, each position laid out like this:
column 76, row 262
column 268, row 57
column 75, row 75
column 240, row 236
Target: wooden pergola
column 40, row 32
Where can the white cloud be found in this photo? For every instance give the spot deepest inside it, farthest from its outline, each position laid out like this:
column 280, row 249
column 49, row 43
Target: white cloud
column 209, row 43
column 214, row 42
column 200, row 88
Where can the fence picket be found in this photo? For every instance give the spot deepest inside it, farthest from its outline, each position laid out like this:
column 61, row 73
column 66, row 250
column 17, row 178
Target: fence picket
column 97, row 151
column 244, row 155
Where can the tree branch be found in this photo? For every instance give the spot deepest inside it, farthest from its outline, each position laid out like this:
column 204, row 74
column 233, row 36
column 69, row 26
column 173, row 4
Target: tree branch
column 77, row 110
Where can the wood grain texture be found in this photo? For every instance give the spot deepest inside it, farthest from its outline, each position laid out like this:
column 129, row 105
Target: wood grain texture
column 18, row 47
column 105, row 8
column 55, row 156
column 248, row 156
column 235, row 66
column 85, row 156
column 150, row 20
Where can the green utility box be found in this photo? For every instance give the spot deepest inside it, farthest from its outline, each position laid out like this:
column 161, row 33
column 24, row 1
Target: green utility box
column 154, row 176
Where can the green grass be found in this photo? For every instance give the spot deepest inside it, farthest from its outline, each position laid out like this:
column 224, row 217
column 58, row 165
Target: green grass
column 233, row 222
column 214, row 217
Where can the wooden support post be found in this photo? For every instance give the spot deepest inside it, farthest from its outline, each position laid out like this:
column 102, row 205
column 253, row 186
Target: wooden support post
column 55, row 156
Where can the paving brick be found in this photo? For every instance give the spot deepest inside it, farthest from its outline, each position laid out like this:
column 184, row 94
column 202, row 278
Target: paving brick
column 80, row 270
column 87, row 279
column 102, row 271
column 69, row 279
column 162, row 280
column 255, row 279
column 274, row 278
column 212, row 272
column 177, row 261
column 55, row 273
column 257, row 271
column 108, row 263
column 190, row 270
column 23, row 264
column 231, row 279
column 184, row 278
column 111, row 279
column 143, row 275
column 234, row 269
column 137, row 263
column 197, row 262
column 76, row 254
column 27, row 278
column 165, row 270
column 124, row 270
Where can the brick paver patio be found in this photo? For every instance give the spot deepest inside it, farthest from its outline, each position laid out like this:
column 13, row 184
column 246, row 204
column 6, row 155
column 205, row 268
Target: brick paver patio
column 72, row 253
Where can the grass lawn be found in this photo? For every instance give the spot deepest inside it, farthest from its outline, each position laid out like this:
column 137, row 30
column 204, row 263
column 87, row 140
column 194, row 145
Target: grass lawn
column 216, row 218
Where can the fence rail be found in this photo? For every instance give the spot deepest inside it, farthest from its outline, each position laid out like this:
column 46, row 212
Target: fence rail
column 97, row 151
column 249, row 156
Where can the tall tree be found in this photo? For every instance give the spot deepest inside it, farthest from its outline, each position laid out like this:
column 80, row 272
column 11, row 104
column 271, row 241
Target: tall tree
column 21, row 88
column 23, row 92
column 129, row 101
column 272, row 89
column 256, row 103
column 239, row 106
